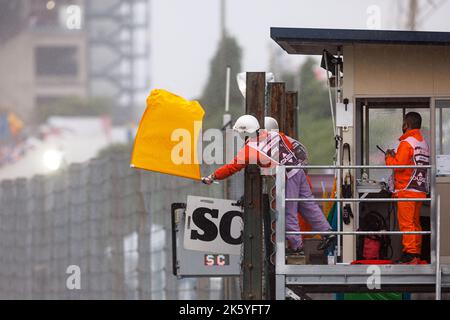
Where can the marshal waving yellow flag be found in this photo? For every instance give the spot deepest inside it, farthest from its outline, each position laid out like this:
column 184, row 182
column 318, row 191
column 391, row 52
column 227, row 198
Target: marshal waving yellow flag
column 166, row 140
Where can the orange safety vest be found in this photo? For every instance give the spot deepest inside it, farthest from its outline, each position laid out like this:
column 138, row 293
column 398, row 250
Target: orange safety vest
column 278, row 149
column 412, row 150
column 256, row 151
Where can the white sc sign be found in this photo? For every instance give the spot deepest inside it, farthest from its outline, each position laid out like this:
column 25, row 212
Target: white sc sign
column 213, row 225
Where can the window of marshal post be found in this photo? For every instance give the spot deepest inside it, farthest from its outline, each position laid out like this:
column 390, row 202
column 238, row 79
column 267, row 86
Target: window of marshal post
column 443, row 136
column 443, row 126
column 383, row 128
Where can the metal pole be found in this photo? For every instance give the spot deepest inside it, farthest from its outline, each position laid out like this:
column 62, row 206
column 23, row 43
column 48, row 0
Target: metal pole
column 433, row 212
column 227, row 90
column 280, row 260
column 438, row 248
column 359, row 199
column 132, row 89
column 359, row 167
column 223, row 14
column 226, row 124
column 338, row 154
column 253, row 258
column 412, row 15
column 352, row 233
column 441, row 137
column 338, row 192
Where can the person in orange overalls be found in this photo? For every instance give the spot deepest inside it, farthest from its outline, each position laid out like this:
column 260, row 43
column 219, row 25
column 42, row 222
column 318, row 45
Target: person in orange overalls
column 410, row 183
column 260, row 149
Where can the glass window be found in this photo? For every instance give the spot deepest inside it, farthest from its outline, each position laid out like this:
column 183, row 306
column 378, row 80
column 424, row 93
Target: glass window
column 385, row 127
column 443, row 126
column 56, row 61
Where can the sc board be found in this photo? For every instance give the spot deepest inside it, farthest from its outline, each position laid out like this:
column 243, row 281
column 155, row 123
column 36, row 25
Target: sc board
column 197, row 263
column 213, row 225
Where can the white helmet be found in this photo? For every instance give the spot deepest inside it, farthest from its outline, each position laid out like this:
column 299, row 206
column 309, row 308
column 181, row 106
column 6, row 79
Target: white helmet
column 246, row 126
column 270, row 124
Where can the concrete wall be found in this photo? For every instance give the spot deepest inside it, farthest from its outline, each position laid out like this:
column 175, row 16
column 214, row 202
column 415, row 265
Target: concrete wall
column 111, row 221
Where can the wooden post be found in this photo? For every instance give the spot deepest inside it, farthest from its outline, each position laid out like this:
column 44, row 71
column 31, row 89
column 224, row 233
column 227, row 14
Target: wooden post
column 253, row 257
column 277, row 103
column 291, row 114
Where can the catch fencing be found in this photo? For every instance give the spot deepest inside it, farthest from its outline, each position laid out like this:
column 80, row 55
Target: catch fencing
column 98, row 230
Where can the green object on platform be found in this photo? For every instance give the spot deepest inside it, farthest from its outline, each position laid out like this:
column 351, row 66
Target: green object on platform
column 373, row 296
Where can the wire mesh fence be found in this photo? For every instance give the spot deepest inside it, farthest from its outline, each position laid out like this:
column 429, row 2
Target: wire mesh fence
column 98, row 230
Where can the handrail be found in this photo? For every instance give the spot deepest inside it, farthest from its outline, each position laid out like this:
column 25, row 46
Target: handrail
column 438, row 249
column 360, row 167
column 357, row 199
column 282, row 272
column 339, row 199
column 350, row 233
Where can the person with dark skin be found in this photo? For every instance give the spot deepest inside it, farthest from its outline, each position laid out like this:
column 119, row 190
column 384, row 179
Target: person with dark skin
column 410, row 183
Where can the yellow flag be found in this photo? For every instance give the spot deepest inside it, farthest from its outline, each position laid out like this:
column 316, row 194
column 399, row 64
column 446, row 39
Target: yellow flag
column 167, row 137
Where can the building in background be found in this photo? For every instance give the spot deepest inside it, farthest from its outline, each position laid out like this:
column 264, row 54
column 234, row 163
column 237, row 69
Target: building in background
column 44, row 57
column 67, row 58
column 51, row 50
column 118, row 53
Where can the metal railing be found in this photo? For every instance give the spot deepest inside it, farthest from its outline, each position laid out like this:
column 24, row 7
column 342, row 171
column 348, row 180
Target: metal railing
column 282, row 268
column 358, row 199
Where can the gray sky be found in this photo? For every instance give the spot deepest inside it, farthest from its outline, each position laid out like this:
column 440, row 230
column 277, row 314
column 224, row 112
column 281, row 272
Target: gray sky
column 185, row 34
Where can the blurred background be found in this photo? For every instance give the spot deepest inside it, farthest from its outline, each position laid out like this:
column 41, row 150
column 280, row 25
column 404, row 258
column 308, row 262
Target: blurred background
column 74, row 76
